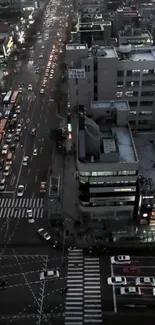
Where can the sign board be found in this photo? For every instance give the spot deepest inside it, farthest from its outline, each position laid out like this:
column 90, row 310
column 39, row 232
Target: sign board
column 76, row 73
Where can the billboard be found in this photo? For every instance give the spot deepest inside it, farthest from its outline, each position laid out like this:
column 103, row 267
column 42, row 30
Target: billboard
column 76, row 73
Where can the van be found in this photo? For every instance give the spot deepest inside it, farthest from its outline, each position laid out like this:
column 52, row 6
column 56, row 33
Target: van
column 9, row 159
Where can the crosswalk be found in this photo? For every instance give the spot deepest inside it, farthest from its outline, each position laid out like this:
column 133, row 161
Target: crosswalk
column 21, row 203
column 83, row 298
column 17, row 208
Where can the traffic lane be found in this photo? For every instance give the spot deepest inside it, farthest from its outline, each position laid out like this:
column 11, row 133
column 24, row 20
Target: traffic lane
column 106, row 291
column 142, row 270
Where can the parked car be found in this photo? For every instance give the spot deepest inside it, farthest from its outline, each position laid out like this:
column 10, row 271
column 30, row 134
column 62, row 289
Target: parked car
column 49, row 274
column 44, row 234
column 117, row 280
column 120, row 259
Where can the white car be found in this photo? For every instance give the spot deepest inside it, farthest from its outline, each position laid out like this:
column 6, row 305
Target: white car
column 42, row 47
column 30, row 216
column 19, row 128
column 18, row 109
column 30, row 87
column 51, row 76
column 44, row 234
column 14, row 116
column 2, row 184
column 5, row 149
column 145, row 281
column 35, row 152
column 6, row 170
column 117, row 280
column 20, row 90
column 25, row 160
column 120, row 259
column 46, row 74
column 20, row 190
column 130, row 291
column 42, row 91
column 51, row 274
column 9, row 138
column 41, row 56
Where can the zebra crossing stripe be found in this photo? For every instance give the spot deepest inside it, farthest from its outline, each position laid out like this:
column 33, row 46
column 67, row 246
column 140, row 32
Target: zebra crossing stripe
column 21, row 203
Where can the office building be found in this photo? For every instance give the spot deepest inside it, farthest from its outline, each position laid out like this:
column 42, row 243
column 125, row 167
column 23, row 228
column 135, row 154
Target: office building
column 107, row 163
column 135, row 36
column 105, row 73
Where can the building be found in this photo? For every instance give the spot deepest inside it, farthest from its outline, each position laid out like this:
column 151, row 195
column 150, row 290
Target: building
column 135, row 36
column 107, row 163
column 105, row 73
column 92, row 32
column 126, row 16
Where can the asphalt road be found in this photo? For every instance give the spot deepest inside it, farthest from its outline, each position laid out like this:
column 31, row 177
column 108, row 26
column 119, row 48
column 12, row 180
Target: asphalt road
column 26, row 299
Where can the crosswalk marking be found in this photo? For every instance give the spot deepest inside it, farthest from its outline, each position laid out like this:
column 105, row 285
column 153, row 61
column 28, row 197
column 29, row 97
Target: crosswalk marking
column 17, row 208
column 83, row 299
column 21, row 203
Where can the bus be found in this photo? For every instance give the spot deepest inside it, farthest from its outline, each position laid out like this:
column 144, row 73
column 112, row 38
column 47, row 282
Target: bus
column 3, row 124
column 7, row 98
column 14, row 97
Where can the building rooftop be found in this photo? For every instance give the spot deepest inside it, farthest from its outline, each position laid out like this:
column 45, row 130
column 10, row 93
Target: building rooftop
column 145, row 146
column 101, row 139
column 144, row 54
column 135, row 33
column 104, row 51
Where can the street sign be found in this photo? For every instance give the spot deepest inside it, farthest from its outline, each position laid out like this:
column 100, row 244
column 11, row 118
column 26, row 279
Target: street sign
column 76, row 73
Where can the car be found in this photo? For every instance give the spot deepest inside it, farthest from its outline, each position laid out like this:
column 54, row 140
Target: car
column 19, row 128
column 29, row 87
column 44, row 234
column 129, row 269
column 30, row 216
column 2, row 184
column 5, row 149
column 15, row 58
column 9, row 138
column 51, row 77
column 42, row 187
column 35, row 152
column 130, row 291
column 7, row 114
column 31, row 48
column 25, row 160
column 18, row 109
column 47, row 70
column 13, row 148
column 120, row 259
column 153, row 292
column 41, row 56
column 6, row 170
column 145, row 281
column 33, row 131
column 117, row 280
column 20, row 89
column 42, row 47
column 42, row 91
column 17, row 137
column 20, row 190
column 50, row 273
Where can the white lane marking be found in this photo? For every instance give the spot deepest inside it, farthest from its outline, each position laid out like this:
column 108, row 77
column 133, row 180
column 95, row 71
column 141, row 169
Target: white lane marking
column 36, row 178
column 25, row 187
column 28, row 171
column 12, row 179
column 41, row 149
column 38, row 124
column 46, row 120
column 113, row 290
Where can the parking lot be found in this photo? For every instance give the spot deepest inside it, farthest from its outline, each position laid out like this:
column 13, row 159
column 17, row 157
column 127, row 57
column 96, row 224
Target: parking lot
column 139, row 267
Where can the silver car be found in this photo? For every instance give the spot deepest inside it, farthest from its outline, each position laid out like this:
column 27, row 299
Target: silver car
column 44, row 234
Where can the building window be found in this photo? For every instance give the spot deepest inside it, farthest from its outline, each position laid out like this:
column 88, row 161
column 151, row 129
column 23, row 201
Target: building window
column 148, row 83
column 133, row 113
column 119, row 94
column 146, row 103
column 129, row 93
column 126, row 172
column 147, row 93
column 146, row 113
column 145, row 71
column 133, row 104
column 87, row 68
column 120, row 73
column 106, row 173
column 120, row 84
column 135, row 72
column 130, row 84
column 77, row 92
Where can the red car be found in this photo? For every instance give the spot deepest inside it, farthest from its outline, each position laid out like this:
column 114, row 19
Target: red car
column 43, row 187
column 131, row 269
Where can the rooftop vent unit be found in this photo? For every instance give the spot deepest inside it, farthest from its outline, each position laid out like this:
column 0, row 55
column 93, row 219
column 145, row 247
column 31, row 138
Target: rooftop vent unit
column 125, row 49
